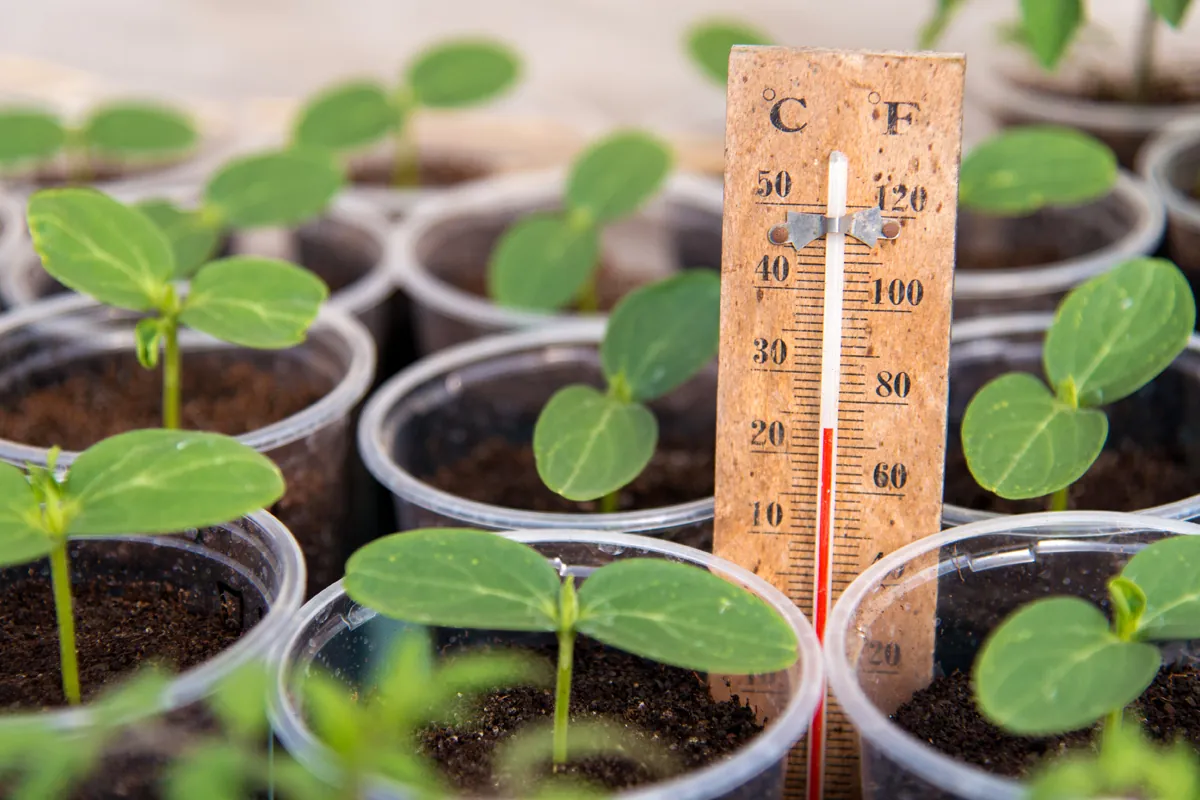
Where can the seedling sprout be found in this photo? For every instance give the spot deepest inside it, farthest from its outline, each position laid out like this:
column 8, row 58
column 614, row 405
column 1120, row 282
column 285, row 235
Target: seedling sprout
column 709, row 42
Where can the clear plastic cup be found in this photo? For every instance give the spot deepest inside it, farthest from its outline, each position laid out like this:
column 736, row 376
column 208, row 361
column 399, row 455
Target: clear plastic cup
column 442, row 407
column 40, row 343
column 13, row 234
column 448, row 239
column 1164, row 414
column 334, row 633
column 1087, row 239
column 1171, row 164
column 979, row 574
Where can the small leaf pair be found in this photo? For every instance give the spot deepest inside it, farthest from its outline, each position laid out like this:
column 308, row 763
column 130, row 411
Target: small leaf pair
column 1058, row 665
column 547, row 260
column 674, row 613
column 1110, row 336
column 120, row 130
column 709, row 42
column 589, row 444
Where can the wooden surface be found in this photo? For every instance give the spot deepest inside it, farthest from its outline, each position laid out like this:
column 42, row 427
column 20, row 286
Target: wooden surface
column 898, row 118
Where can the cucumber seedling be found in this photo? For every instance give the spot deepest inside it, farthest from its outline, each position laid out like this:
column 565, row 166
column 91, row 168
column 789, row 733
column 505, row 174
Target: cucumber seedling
column 670, row 612
column 1111, row 336
column 94, row 244
column 357, row 114
column 588, row 443
column 142, row 482
column 708, row 44
column 126, row 131
column 546, row 260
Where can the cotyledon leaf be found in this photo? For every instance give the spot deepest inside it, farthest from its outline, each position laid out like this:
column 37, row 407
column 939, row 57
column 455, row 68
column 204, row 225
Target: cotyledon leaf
column 194, row 235
column 617, row 175
column 462, row 72
column 346, row 116
column 542, row 262
column 1167, row 574
column 1049, row 26
column 456, row 577
column 29, row 135
column 21, row 537
column 709, row 44
column 132, row 129
column 286, row 187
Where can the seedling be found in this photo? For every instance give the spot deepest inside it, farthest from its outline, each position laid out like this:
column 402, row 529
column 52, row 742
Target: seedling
column 144, row 482
column 709, row 42
column 453, row 74
column 589, row 444
column 93, row 244
column 1110, row 336
column 667, row 611
column 546, row 260
column 138, row 131
column 1048, row 27
column 1059, row 664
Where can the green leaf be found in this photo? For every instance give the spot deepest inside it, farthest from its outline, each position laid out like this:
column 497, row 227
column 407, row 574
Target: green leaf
column 164, row 481
column 588, row 444
column 931, row 31
column 709, row 44
column 462, row 73
column 131, row 129
column 93, row 244
column 193, row 235
column 147, row 335
column 240, row 702
column 1050, row 26
column 214, row 770
column 21, row 536
column 254, row 302
column 282, row 188
column 1166, row 573
column 29, row 135
column 542, row 262
column 617, row 175
column 403, row 681
column 131, row 699
column 1054, row 666
column 1172, row 11
column 684, row 616
column 1022, row 170
column 661, row 335
column 336, row 718
column 345, row 117
column 1115, row 333
column 1021, row 442
column 460, row 679
column 456, row 577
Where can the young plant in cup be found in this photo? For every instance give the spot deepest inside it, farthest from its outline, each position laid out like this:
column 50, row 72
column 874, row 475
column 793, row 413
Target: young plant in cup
column 590, row 444
column 673, row 613
column 93, row 244
column 708, row 44
column 1110, row 336
column 548, row 260
column 144, row 482
column 128, row 131
column 357, row 114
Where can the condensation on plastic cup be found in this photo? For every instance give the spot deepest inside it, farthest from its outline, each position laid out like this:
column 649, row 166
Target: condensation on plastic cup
column 335, row 630
column 13, row 234
column 1014, row 343
column 1132, row 215
column 256, row 554
column 969, row 563
column 688, row 207
column 531, row 365
column 1171, row 163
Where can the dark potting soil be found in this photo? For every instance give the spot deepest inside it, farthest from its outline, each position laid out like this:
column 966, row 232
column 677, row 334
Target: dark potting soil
column 1017, row 256
column 1124, row 478
column 505, row 474
column 945, row 715
column 430, row 172
column 670, row 709
column 120, row 625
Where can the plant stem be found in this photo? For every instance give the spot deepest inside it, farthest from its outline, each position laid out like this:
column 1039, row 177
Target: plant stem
column 1112, row 723
column 60, row 579
column 172, row 368
column 608, row 503
column 406, row 167
column 1058, row 500
column 1143, row 64
column 589, row 298
column 562, row 692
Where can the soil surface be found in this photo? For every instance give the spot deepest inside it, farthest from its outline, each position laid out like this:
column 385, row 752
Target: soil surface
column 1125, row 478
column 1019, row 256
column 120, row 625
column 669, row 708
column 505, row 474
column 944, row 714
column 430, row 172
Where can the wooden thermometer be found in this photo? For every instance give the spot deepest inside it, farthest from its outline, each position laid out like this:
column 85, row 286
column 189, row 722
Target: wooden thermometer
column 841, row 172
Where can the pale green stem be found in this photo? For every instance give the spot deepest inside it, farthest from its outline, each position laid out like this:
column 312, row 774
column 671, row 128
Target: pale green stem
column 562, row 693
column 608, row 503
column 60, row 579
column 406, row 167
column 1143, row 65
column 79, row 164
column 1112, row 723
column 1058, row 500
column 172, row 370
column 589, row 297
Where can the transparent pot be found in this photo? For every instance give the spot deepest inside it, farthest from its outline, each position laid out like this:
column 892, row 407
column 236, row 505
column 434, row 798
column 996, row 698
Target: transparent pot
column 438, row 411
column 442, row 249
column 43, row 343
column 13, row 234
column 1065, row 245
column 335, row 634
column 249, row 572
column 935, row 601
column 1162, row 417
column 1171, row 163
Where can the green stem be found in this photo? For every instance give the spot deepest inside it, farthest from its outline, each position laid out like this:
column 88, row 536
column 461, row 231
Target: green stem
column 562, row 692
column 1143, row 65
column 1112, row 724
column 1058, row 500
column 60, row 579
column 406, row 166
column 589, row 297
column 608, row 503
column 172, row 369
